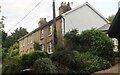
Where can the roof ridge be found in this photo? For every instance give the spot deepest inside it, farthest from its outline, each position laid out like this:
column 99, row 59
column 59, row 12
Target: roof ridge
column 86, row 3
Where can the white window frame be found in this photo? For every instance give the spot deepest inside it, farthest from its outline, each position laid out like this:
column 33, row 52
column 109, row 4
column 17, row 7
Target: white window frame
column 50, row 30
column 49, row 48
column 31, row 39
column 43, row 47
column 115, row 41
column 28, row 39
column 42, row 33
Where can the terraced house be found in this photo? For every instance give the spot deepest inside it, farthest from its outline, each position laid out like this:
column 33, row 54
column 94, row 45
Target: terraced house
column 82, row 17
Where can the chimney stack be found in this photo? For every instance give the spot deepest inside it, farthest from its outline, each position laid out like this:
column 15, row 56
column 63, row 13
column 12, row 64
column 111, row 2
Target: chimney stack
column 42, row 21
column 64, row 7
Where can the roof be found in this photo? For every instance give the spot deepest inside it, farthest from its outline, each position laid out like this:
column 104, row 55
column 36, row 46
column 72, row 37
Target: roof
column 39, row 28
column 114, row 30
column 86, row 4
column 105, row 27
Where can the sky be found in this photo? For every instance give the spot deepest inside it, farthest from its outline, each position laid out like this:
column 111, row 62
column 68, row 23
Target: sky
column 15, row 10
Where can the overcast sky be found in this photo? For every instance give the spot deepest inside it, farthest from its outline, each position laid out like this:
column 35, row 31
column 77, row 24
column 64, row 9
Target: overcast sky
column 15, row 10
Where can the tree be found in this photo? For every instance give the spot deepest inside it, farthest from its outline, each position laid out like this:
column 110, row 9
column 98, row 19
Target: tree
column 4, row 35
column 18, row 33
column 11, row 39
column 110, row 18
column 1, row 22
column 13, row 50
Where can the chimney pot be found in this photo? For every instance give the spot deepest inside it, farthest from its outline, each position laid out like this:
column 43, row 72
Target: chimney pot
column 64, row 7
column 68, row 4
column 42, row 21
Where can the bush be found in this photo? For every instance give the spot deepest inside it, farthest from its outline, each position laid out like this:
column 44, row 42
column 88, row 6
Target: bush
column 91, row 63
column 27, row 60
column 71, row 40
column 13, row 50
column 75, row 62
column 12, row 66
column 44, row 65
column 37, row 46
column 97, row 43
column 63, row 56
column 66, row 61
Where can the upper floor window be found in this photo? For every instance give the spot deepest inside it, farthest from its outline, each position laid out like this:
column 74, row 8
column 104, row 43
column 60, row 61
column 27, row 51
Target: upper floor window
column 42, row 33
column 50, row 30
column 29, row 39
column 49, row 48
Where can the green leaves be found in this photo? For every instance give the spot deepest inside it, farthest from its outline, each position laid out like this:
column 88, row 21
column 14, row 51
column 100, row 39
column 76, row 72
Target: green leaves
column 27, row 60
column 110, row 18
column 44, row 65
column 37, row 46
column 11, row 39
column 97, row 43
column 87, row 52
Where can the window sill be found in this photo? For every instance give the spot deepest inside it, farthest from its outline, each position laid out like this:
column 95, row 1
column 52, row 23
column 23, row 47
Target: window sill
column 30, row 42
column 50, row 35
column 50, row 52
column 41, row 38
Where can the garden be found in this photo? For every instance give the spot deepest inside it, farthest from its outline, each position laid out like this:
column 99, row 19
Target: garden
column 82, row 53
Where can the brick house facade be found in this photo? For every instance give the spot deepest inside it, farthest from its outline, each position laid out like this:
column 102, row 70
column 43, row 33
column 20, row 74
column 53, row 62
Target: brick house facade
column 44, row 35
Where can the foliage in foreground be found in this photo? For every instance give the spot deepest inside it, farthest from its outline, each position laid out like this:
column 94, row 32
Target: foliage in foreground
column 44, row 65
column 92, row 40
column 17, row 63
column 76, row 62
column 12, row 66
column 91, row 63
column 97, row 43
column 87, row 52
column 27, row 60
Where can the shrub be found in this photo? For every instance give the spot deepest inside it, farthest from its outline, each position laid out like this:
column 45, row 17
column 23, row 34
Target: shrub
column 12, row 66
column 91, row 63
column 27, row 60
column 71, row 40
column 97, row 43
column 13, row 50
column 37, row 46
column 75, row 62
column 66, row 61
column 44, row 65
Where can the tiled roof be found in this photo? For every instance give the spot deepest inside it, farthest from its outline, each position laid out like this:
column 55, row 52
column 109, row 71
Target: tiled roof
column 39, row 28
